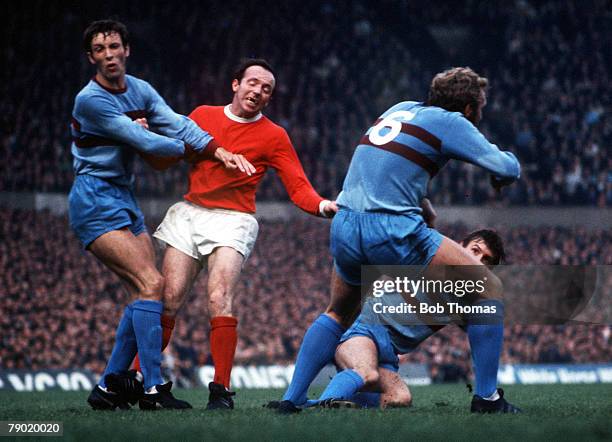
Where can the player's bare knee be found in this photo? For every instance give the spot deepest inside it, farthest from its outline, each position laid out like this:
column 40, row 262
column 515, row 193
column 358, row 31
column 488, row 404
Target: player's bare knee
column 153, row 286
column 396, row 402
column 172, row 299
column 494, row 288
column 403, row 399
column 397, row 398
column 157, row 284
column 219, row 302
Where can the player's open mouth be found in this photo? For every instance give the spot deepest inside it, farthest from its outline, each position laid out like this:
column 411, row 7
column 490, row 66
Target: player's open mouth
column 252, row 101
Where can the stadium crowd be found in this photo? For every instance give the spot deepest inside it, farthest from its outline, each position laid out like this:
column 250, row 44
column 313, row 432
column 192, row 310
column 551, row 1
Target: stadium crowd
column 60, row 307
column 339, row 65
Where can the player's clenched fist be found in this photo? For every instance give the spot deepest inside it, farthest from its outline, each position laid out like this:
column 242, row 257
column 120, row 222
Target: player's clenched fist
column 143, row 122
column 328, row 208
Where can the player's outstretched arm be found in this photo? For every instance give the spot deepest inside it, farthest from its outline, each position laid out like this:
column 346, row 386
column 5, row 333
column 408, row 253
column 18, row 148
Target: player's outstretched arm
column 468, row 144
column 157, row 163
column 173, row 125
column 200, row 145
column 231, row 161
column 287, row 164
column 98, row 116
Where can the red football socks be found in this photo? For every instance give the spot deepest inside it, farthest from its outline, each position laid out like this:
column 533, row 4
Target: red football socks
column 167, row 324
column 223, row 339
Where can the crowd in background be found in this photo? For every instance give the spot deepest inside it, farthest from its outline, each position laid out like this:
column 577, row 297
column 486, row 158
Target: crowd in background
column 60, row 306
column 339, row 65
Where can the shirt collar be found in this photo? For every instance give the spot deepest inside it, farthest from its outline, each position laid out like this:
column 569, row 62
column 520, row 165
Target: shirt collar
column 228, row 113
column 112, row 91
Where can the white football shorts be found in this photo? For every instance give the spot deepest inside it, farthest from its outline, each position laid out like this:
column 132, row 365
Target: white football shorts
column 197, row 231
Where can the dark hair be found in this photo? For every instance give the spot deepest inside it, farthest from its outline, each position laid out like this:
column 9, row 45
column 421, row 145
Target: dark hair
column 493, row 241
column 455, row 88
column 246, row 63
column 105, row 27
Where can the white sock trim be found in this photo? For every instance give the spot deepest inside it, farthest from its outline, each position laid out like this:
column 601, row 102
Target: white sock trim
column 493, row 397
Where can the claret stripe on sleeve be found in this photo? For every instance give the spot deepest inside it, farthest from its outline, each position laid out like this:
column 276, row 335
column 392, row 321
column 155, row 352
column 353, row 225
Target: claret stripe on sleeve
column 93, row 141
column 406, row 152
column 86, row 141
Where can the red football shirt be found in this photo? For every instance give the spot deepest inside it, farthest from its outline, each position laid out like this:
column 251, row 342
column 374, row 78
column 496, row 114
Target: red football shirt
column 264, row 144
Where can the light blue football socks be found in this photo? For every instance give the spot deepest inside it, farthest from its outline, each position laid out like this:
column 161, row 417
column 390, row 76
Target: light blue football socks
column 125, row 346
column 318, row 349
column 486, row 336
column 146, row 320
column 343, row 386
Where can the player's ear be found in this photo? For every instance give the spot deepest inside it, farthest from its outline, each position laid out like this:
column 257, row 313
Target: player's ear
column 90, row 58
column 468, row 111
column 235, row 85
column 127, row 51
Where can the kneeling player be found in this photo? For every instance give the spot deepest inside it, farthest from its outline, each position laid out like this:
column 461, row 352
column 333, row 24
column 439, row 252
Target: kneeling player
column 379, row 221
column 367, row 354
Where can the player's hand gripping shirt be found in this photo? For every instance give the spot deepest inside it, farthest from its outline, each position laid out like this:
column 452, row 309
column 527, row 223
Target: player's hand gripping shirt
column 105, row 137
column 405, row 148
column 264, row 144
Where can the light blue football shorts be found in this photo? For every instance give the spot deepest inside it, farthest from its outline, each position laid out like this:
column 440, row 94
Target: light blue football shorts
column 387, row 357
column 97, row 206
column 373, row 238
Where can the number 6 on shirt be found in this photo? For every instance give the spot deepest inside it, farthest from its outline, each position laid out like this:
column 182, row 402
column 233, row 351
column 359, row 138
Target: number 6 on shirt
column 393, row 122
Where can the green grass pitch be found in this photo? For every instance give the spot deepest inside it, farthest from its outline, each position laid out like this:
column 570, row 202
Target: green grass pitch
column 440, row 412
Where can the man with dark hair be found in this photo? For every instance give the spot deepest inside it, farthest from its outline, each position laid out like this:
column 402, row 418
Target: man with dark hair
column 380, row 220
column 215, row 223
column 109, row 121
column 105, row 27
column 492, row 240
column 368, row 349
column 247, row 63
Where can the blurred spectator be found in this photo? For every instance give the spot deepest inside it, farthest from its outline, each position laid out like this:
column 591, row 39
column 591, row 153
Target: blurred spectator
column 340, row 64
